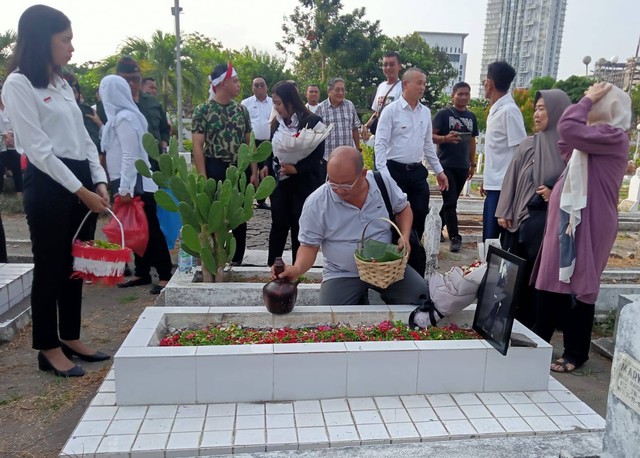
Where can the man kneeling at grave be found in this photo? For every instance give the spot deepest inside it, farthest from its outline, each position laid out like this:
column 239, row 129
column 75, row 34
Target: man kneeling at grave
column 333, row 218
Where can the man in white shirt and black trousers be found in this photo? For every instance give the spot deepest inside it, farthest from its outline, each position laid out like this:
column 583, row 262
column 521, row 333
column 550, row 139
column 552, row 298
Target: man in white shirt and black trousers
column 403, row 141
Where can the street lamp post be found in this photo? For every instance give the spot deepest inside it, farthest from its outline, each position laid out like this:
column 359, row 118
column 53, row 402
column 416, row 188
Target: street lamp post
column 175, row 10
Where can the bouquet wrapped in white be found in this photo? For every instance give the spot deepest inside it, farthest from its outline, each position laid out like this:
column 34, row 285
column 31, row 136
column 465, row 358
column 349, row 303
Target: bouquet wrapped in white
column 290, row 149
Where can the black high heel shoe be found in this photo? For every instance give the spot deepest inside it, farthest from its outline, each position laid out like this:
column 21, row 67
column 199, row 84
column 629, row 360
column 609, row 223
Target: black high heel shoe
column 46, row 366
column 70, row 353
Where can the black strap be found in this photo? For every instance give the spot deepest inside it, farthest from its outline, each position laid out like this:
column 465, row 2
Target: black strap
column 385, row 97
column 383, row 190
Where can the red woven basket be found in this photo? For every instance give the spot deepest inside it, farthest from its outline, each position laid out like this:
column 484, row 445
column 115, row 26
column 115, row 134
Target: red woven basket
column 99, row 265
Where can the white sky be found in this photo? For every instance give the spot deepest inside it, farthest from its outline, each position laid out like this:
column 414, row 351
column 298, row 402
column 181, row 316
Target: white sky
column 592, row 27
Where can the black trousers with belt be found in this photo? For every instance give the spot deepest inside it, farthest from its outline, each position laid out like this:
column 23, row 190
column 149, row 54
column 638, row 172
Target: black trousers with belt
column 412, row 179
column 53, row 215
column 217, row 169
column 287, row 201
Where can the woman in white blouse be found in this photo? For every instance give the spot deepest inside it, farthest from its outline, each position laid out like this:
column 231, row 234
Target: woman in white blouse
column 62, row 182
column 122, row 139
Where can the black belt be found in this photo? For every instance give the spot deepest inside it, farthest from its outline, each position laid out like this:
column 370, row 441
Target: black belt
column 401, row 165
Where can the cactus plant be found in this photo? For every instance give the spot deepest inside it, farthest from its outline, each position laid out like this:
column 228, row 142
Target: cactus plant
column 209, row 210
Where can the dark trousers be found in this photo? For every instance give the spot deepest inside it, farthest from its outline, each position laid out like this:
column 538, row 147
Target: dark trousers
column 490, row 227
column 286, row 208
column 3, row 243
column 449, row 213
column 10, row 159
column 574, row 317
column 53, row 215
column 157, row 254
column 216, row 169
column 413, row 182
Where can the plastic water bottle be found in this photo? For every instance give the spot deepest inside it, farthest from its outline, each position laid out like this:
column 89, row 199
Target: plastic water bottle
column 186, row 262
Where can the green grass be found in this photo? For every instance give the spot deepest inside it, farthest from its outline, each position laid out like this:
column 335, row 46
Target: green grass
column 11, row 204
column 127, row 299
column 606, row 326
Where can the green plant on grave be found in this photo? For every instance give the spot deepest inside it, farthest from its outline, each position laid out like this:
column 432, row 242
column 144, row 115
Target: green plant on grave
column 209, row 209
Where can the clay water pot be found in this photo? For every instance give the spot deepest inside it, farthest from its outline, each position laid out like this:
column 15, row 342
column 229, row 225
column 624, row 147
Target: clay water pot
column 280, row 295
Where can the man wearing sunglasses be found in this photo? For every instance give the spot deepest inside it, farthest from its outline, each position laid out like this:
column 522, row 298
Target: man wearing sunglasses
column 334, row 216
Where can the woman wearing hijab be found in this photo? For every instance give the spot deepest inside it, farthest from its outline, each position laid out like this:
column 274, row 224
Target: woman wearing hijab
column 295, row 181
column 63, row 181
column 522, row 208
column 582, row 221
column 122, row 138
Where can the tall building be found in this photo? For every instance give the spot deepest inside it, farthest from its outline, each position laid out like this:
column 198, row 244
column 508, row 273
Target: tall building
column 525, row 33
column 453, row 45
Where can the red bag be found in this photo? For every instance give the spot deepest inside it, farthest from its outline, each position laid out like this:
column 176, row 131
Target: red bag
column 134, row 222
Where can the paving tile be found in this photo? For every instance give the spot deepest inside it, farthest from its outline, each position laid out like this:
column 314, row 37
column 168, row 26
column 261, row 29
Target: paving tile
column 449, row 413
column 564, row 396
column 395, row 415
column 113, row 445
column 307, row 407
column 422, row 414
column 334, row 405
column 104, row 399
column 492, row 398
column 186, row 441
column 459, row 428
column 248, row 408
column 99, row 413
column 304, row 420
column 476, row 411
column 516, row 397
column 161, row 411
column 553, row 408
column 466, row 399
column 578, row 408
column 250, row 422
column 91, row 428
column 540, row 396
column 279, row 408
column 541, row 424
column 343, row 436
column 489, row 426
column 218, row 442
column 528, row 410
column 191, row 411
column 402, row 433
column 388, row 402
column 131, row 413
column 441, row 400
column 415, row 401
column 81, row 445
column 124, row 427
column 156, row 425
column 555, row 385
column 338, row 418
column 280, row 421
column 145, row 442
column 311, row 438
column 219, row 423
column 249, row 441
column 361, row 404
column 502, row 410
column 221, row 410
column 373, row 434
column 366, row 417
column 431, row 430
column 593, row 422
column 514, row 425
column 185, row 425
column 281, row 439
column 567, row 422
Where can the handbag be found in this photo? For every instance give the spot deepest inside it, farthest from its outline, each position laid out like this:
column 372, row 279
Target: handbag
column 417, row 256
column 374, row 125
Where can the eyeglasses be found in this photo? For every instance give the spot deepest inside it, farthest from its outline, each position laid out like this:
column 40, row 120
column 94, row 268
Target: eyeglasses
column 344, row 187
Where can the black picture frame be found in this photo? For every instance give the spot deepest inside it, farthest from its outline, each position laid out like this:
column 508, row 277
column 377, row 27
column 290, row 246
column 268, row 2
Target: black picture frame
column 498, row 298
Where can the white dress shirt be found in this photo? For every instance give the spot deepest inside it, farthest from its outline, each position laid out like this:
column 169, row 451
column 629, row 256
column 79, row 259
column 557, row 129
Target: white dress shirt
column 260, row 113
column 48, row 125
column 126, row 148
column 5, row 128
column 404, row 135
column 505, row 131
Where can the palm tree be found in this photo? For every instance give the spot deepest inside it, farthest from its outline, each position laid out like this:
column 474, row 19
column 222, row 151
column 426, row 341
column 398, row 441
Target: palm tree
column 7, row 41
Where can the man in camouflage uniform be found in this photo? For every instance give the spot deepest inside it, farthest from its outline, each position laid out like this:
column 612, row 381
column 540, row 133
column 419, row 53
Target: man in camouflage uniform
column 219, row 127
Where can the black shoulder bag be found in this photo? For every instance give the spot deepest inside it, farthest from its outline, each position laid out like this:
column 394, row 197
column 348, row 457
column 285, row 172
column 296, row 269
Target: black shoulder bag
column 417, row 256
column 374, row 125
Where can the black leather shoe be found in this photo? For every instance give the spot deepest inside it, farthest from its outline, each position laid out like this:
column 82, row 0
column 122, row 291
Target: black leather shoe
column 137, row 282
column 156, row 289
column 46, row 366
column 456, row 244
column 70, row 353
column 127, row 270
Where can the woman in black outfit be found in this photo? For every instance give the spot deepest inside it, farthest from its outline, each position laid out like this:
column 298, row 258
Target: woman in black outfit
column 295, row 181
column 63, row 181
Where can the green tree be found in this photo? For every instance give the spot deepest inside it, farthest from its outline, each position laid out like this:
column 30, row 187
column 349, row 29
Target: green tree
column 7, row 41
column 541, row 83
column 250, row 63
column 480, row 108
column 635, row 101
column 575, row 86
column 525, row 103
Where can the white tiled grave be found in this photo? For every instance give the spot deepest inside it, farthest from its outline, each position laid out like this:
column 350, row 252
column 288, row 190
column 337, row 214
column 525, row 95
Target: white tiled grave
column 108, row 429
column 15, row 284
column 149, row 374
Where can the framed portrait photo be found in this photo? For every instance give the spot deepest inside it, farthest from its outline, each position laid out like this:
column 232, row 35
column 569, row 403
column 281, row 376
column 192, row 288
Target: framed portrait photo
column 498, row 298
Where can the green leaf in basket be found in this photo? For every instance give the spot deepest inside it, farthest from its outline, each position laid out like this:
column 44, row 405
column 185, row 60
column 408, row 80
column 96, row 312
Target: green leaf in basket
column 380, row 251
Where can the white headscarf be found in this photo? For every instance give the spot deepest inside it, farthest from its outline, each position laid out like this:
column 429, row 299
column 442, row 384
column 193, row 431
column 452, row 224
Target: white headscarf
column 119, row 106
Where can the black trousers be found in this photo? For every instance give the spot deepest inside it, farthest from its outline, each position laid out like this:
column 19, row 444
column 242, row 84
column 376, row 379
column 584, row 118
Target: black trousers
column 157, row 254
column 216, row 169
column 286, row 208
column 413, row 182
column 10, row 159
column 53, row 215
column 3, row 243
column 574, row 317
column 449, row 213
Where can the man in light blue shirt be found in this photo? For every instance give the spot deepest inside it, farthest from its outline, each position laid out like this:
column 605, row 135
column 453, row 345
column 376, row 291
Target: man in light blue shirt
column 333, row 218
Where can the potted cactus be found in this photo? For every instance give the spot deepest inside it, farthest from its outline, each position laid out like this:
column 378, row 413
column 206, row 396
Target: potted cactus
column 209, row 210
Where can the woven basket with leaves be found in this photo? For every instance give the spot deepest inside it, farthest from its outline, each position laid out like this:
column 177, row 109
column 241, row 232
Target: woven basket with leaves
column 380, row 264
